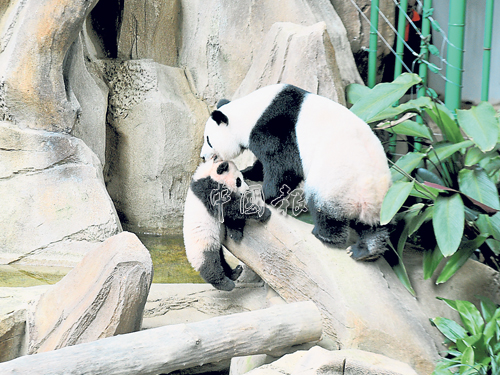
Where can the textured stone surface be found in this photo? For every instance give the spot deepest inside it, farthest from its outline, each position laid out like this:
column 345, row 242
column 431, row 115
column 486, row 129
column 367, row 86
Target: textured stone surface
column 150, row 30
column 156, row 132
column 55, row 206
column 286, row 52
column 338, row 362
column 33, row 92
column 104, row 295
column 86, row 82
column 220, row 39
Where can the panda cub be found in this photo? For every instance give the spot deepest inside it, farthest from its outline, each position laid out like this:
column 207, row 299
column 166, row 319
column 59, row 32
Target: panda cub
column 212, row 211
column 299, row 136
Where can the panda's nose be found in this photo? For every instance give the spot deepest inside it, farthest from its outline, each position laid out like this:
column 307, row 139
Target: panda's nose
column 203, row 158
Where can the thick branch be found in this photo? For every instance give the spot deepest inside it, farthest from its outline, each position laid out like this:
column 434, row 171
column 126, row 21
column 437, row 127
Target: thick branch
column 175, row 347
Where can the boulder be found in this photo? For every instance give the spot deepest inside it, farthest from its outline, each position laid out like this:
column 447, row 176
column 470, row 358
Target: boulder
column 338, row 362
column 155, row 135
column 58, row 180
column 218, row 61
column 103, row 296
column 286, row 52
column 34, row 41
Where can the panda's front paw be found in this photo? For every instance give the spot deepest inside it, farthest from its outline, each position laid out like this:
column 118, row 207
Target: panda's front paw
column 361, row 253
column 265, row 215
column 235, row 234
column 236, row 272
column 226, row 284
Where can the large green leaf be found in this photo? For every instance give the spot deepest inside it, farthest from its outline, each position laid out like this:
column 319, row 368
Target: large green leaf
column 442, row 152
column 480, row 124
column 459, row 258
column 471, row 317
column 476, row 184
column 448, row 222
column 394, row 199
column 383, row 96
column 444, row 120
column 449, row 328
column 415, row 105
column 406, row 163
column 356, row 91
column 432, row 258
column 491, row 225
column 413, row 129
column 467, row 360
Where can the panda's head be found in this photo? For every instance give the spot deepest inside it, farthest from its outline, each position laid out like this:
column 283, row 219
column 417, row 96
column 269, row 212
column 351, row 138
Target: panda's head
column 221, row 140
column 223, row 172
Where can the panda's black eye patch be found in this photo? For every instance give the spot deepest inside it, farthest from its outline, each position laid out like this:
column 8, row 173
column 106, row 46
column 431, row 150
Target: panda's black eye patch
column 223, row 167
column 238, row 182
column 208, row 142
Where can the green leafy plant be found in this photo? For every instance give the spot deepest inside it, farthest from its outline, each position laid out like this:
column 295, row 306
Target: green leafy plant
column 444, row 195
column 473, row 348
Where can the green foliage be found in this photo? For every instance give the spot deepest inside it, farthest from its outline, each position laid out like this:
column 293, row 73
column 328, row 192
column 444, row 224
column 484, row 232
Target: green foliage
column 475, row 347
column 446, row 192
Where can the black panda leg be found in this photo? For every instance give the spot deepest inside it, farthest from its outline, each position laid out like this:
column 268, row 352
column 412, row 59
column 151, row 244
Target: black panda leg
column 213, row 272
column 228, row 271
column 327, row 228
column 371, row 243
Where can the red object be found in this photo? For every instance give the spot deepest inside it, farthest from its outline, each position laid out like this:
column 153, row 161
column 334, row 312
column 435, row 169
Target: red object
column 415, row 17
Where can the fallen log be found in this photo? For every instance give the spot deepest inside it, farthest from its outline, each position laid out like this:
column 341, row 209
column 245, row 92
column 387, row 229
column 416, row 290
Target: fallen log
column 169, row 348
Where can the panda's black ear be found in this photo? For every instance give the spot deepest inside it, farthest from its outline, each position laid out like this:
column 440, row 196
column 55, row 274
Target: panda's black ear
column 223, row 167
column 222, row 102
column 219, row 117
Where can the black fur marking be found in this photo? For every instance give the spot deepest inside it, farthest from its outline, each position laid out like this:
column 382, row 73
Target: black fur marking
column 273, row 140
column 255, row 172
column 234, row 219
column 222, row 102
column 371, row 243
column 219, row 117
column 223, row 167
column 214, row 268
column 328, row 228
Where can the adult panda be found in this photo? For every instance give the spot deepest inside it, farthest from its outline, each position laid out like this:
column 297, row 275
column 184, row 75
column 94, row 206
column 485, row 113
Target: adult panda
column 212, row 210
column 297, row 135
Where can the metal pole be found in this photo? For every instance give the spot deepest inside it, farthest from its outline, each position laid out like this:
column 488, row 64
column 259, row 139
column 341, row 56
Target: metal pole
column 454, row 56
column 398, row 67
column 372, row 52
column 424, row 56
column 488, row 30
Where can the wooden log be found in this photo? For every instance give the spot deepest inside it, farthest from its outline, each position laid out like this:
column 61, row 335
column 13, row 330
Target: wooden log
column 169, row 348
column 363, row 304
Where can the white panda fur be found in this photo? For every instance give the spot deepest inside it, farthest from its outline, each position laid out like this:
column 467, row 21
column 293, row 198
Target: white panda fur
column 202, row 228
column 340, row 159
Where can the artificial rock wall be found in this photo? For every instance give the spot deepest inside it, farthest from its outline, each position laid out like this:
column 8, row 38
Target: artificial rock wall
column 103, row 104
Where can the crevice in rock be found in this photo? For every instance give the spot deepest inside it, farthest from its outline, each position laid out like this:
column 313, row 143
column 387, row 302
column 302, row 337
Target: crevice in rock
column 106, row 19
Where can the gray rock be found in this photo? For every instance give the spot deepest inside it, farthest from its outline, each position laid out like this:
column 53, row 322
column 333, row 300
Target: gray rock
column 55, row 207
column 89, row 88
column 156, row 132
column 103, row 296
column 338, row 362
column 150, row 30
column 33, row 45
column 218, row 61
column 286, row 52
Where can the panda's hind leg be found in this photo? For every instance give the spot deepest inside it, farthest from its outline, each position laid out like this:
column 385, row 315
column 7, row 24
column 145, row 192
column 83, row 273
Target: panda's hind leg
column 372, row 241
column 328, row 227
column 213, row 270
column 228, row 271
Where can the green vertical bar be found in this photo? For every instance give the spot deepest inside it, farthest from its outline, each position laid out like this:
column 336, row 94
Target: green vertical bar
column 488, row 30
column 372, row 54
column 455, row 54
column 424, row 54
column 398, row 68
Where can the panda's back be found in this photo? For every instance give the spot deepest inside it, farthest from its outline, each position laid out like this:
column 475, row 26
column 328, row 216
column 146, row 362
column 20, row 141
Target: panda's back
column 341, row 156
column 201, row 230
